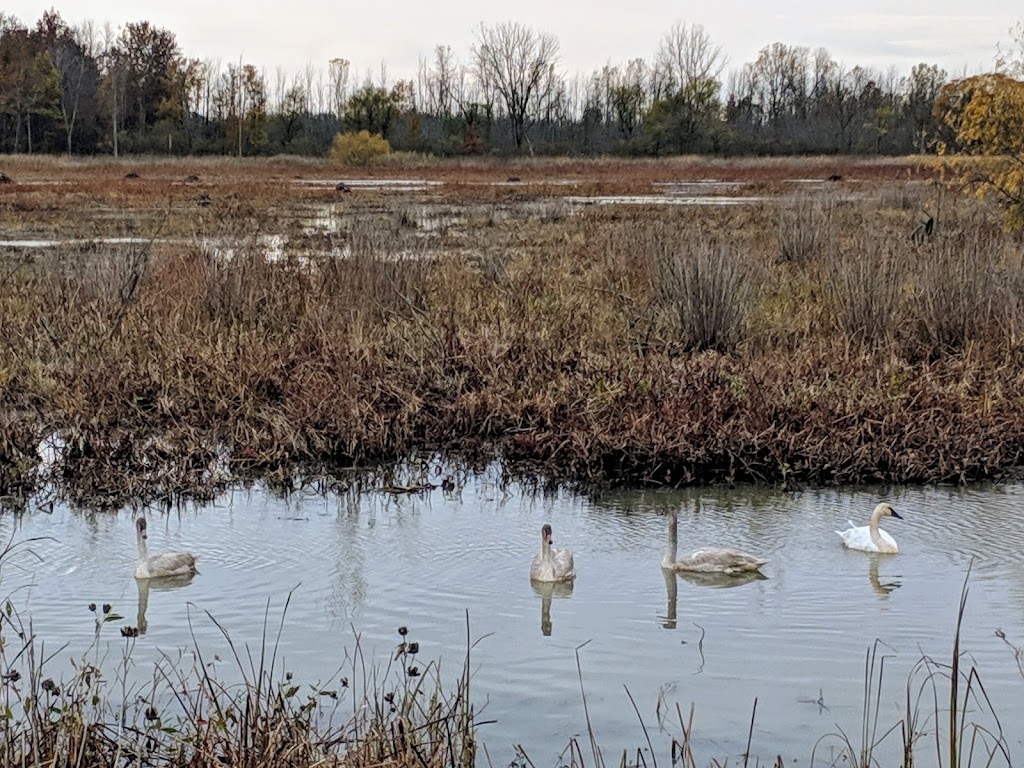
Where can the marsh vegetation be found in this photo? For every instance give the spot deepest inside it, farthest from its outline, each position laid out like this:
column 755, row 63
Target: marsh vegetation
column 805, row 338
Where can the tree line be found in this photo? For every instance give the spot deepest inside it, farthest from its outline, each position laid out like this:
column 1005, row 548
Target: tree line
column 89, row 89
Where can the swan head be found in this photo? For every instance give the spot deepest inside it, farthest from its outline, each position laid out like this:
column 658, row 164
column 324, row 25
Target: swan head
column 545, row 534
column 140, row 528
column 884, row 510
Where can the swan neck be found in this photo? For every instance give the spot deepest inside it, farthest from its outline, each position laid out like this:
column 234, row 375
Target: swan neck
column 672, row 546
column 876, row 537
column 545, row 549
column 143, row 552
column 876, row 517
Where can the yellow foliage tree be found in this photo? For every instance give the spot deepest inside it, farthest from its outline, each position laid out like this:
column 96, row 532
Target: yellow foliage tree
column 981, row 119
column 360, row 148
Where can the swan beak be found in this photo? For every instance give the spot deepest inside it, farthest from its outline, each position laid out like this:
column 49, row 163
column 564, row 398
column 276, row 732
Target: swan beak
column 550, row 541
column 896, row 514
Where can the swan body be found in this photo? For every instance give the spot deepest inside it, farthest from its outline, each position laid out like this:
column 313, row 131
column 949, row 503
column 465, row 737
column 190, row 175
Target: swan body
column 871, row 538
column 551, row 564
column 706, row 559
column 164, row 564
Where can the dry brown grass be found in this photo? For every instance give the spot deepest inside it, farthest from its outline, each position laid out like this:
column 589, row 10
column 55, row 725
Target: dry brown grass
column 608, row 175
column 623, row 344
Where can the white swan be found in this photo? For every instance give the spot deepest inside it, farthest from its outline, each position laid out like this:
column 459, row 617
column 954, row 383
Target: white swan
column 707, row 559
column 551, row 564
column 165, row 564
column 871, row 538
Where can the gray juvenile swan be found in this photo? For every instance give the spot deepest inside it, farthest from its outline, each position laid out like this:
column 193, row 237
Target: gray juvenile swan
column 551, row 564
column 164, row 564
column 871, row 538
column 706, row 559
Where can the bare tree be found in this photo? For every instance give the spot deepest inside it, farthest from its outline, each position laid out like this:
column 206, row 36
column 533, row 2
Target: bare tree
column 339, row 84
column 782, row 73
column 114, row 78
column 309, row 85
column 920, row 92
column 211, row 74
column 324, row 93
column 1010, row 58
column 87, row 35
column 518, row 63
column 77, row 74
column 686, row 55
column 441, row 81
column 629, row 98
column 279, row 89
column 823, row 71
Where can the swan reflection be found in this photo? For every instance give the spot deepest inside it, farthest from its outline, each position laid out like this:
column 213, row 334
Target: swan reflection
column 712, row 580
column 882, row 588
column 722, row 580
column 672, row 594
column 546, row 590
column 163, row 584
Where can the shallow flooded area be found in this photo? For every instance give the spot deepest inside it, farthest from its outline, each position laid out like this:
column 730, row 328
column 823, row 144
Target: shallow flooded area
column 368, row 563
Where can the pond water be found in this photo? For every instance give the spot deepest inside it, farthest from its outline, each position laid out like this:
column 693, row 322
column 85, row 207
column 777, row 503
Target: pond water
column 370, row 562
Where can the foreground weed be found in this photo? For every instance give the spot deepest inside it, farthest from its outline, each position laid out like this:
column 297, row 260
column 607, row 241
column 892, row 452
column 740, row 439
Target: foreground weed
column 973, row 731
column 862, row 754
column 192, row 712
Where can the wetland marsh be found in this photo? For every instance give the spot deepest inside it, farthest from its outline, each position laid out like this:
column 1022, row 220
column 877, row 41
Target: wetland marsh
column 167, row 342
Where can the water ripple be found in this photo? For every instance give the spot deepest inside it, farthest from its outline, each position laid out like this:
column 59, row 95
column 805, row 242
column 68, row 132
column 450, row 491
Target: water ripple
column 365, row 564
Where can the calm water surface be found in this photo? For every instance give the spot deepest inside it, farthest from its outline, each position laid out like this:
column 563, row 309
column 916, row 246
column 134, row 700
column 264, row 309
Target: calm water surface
column 371, row 562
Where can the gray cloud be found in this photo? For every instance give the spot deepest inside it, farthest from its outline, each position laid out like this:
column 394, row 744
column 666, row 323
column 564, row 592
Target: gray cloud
column 400, row 32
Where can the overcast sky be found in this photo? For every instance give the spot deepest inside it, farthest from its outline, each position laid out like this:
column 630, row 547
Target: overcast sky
column 958, row 36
